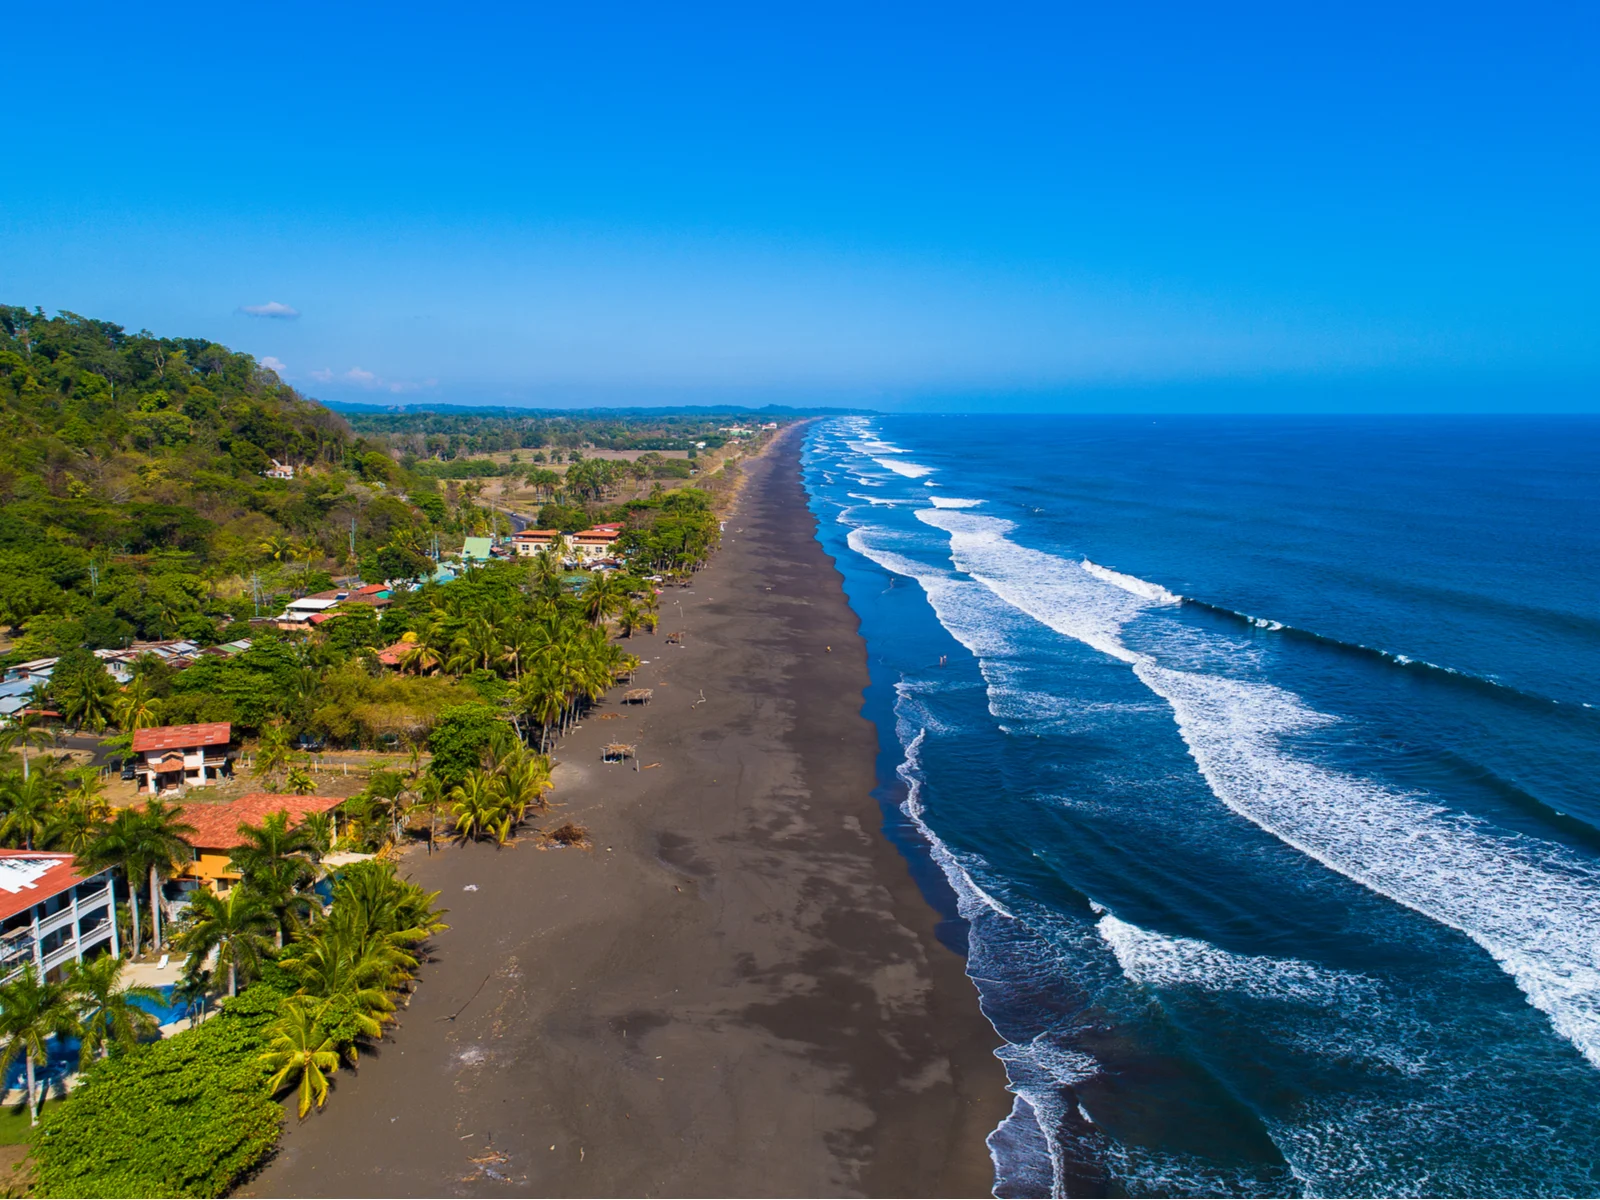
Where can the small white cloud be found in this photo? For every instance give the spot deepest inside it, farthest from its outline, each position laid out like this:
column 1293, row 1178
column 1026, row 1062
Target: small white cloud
column 276, row 365
column 272, row 309
column 367, row 380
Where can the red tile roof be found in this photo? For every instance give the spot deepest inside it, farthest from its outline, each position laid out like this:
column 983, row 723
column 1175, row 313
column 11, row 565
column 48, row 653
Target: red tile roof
column 543, row 535
column 217, row 825
column 178, row 737
column 62, row 874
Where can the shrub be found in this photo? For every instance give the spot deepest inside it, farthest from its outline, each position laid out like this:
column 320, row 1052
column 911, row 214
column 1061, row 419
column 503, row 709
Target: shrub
column 188, row 1116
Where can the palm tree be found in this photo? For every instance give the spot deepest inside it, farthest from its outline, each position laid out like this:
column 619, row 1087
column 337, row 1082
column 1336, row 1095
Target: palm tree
column 478, row 645
column 74, row 825
column 301, row 1053
column 161, row 847
column 270, row 859
column 629, row 617
column 136, row 708
column 317, row 830
column 33, row 1010
column 601, row 596
column 118, row 845
column 26, row 729
column 238, row 927
column 193, row 991
column 29, row 809
column 300, row 781
column 106, row 1008
column 278, row 548
column 87, row 699
column 479, row 806
column 272, row 750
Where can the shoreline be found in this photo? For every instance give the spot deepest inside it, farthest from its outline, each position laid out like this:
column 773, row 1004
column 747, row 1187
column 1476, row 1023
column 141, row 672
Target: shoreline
column 738, row 989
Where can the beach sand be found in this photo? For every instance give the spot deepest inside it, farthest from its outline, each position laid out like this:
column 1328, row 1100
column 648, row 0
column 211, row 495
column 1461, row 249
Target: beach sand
column 734, row 991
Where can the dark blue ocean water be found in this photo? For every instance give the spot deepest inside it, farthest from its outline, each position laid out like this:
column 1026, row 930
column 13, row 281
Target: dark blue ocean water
column 1258, row 757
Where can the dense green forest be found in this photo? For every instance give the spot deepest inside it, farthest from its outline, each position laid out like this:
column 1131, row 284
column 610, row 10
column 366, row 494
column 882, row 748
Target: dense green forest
column 137, row 504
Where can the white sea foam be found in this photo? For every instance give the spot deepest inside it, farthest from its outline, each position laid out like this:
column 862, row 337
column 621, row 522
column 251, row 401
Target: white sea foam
column 885, row 501
column 910, row 470
column 1161, row 960
column 1532, row 905
column 1145, row 590
column 953, row 502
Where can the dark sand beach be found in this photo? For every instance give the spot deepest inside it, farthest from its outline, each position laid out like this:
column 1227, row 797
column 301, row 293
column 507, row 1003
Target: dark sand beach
column 735, row 991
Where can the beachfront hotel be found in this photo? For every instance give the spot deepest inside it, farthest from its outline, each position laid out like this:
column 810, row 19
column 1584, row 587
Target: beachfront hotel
column 51, row 912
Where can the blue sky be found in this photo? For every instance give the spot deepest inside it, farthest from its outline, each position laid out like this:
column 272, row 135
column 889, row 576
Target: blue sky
column 917, row 206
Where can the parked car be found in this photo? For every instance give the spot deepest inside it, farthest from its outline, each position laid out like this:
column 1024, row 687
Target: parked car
column 307, row 744
column 127, row 769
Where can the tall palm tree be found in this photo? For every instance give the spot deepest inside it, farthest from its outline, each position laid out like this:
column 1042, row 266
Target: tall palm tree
column 238, row 927
column 300, row 1053
column 601, row 596
column 272, row 860
column 106, row 1009
column 117, row 845
column 161, row 847
column 33, row 1010
column 29, row 809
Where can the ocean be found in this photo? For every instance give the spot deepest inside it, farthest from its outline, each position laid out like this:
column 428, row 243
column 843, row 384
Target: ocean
column 1254, row 763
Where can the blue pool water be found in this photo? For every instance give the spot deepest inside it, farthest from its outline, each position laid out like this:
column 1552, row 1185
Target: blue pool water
column 64, row 1051
column 1258, row 756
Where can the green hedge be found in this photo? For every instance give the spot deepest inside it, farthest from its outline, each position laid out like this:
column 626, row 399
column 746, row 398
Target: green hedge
column 188, row 1116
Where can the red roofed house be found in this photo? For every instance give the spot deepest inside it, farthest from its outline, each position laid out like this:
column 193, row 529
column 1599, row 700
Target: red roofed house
column 532, row 541
column 592, row 545
column 177, row 756
column 51, row 911
column 216, row 832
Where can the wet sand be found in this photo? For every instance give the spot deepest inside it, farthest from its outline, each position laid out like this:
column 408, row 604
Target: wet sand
column 735, row 991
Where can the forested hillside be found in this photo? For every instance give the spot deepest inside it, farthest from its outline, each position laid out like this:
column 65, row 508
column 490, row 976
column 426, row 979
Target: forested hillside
column 137, row 503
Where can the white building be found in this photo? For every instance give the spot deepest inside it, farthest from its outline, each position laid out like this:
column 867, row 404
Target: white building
column 172, row 757
column 595, row 545
column 532, row 541
column 51, row 912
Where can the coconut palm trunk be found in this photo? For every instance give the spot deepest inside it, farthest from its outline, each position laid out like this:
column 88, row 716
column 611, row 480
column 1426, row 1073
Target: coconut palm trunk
column 133, row 907
column 155, row 910
column 33, row 1092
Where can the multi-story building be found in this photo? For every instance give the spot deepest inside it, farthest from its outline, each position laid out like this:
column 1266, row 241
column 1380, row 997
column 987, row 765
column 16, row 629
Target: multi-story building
column 51, row 911
column 532, row 541
column 172, row 757
column 216, row 833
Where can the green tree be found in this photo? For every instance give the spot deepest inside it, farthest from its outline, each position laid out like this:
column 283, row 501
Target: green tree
column 107, row 1012
column 33, row 1010
column 300, row 1054
column 30, row 808
column 460, row 737
column 237, row 926
column 273, row 862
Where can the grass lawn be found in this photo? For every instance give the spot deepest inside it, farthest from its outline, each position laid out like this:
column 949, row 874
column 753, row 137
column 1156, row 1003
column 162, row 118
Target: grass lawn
column 14, row 1127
